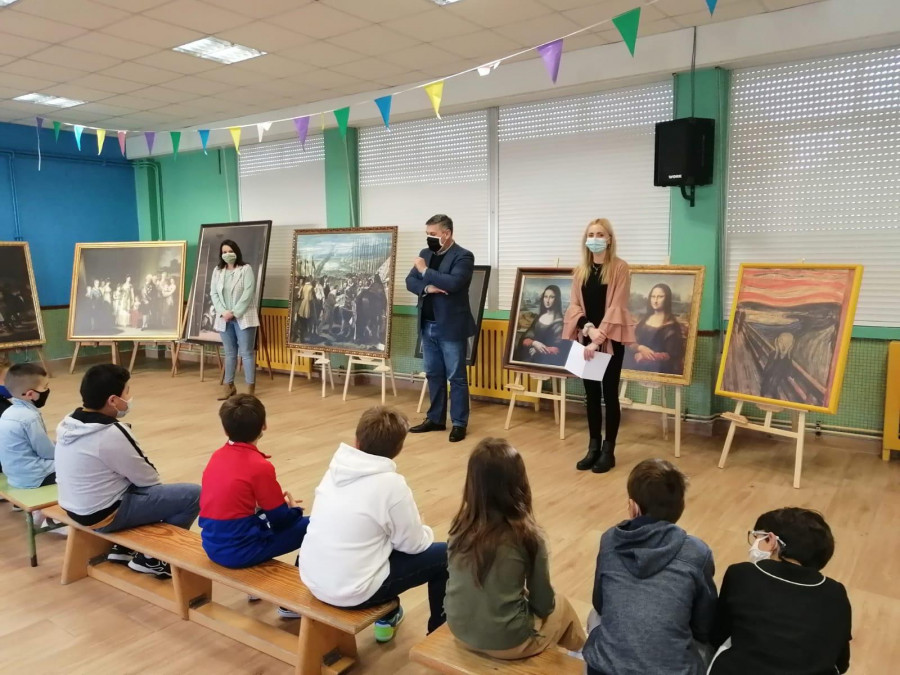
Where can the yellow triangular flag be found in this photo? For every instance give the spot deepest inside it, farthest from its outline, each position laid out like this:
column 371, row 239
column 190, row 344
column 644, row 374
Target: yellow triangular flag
column 101, row 136
column 236, row 137
column 322, row 122
column 435, row 91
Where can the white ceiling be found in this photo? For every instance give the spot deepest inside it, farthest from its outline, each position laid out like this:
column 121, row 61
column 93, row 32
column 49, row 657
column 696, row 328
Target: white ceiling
column 116, row 54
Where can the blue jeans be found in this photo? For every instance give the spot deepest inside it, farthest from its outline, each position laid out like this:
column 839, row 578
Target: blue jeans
column 445, row 360
column 281, row 542
column 241, row 341
column 408, row 571
column 175, row 503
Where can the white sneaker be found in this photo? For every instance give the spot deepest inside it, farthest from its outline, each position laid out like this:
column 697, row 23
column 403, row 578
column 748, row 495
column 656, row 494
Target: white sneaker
column 39, row 519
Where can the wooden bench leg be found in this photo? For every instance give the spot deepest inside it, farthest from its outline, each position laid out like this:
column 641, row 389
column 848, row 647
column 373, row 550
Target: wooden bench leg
column 318, row 641
column 189, row 588
column 81, row 548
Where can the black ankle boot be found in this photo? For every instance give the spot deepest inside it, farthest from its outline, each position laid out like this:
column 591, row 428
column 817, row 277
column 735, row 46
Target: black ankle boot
column 593, row 454
column 607, row 459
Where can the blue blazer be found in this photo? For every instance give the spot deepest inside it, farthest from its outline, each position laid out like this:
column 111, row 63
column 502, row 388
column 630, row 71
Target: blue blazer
column 451, row 312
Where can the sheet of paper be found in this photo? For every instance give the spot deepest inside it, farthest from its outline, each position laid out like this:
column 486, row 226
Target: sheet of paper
column 586, row 370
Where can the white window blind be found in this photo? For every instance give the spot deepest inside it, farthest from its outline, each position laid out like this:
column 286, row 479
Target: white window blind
column 282, row 182
column 814, row 171
column 568, row 161
column 417, row 169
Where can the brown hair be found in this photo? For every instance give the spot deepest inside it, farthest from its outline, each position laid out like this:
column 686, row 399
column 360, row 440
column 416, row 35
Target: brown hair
column 22, row 377
column 496, row 508
column 381, row 431
column 658, row 488
column 243, row 418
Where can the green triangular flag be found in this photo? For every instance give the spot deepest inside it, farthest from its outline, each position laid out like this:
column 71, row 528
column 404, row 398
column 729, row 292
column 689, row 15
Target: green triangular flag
column 627, row 23
column 176, row 141
column 56, row 126
column 343, row 117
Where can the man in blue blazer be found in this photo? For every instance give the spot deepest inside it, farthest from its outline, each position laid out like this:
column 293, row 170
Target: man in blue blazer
column 440, row 277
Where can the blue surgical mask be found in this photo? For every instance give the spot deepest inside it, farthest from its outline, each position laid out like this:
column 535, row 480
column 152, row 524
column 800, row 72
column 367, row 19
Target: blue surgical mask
column 596, row 244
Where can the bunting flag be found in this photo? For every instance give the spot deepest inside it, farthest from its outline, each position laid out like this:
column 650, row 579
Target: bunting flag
column 150, row 136
column 78, row 129
column 342, row 115
column 551, row 53
column 121, row 135
column 261, row 128
column 712, row 5
column 101, row 136
column 384, row 106
column 488, row 68
column 204, row 139
column 56, row 126
column 176, row 141
column 301, row 124
column 322, row 122
column 435, row 92
column 627, row 25
column 40, row 125
column 236, row 138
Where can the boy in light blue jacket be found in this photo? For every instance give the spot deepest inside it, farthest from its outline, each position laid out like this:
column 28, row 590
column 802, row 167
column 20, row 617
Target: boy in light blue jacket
column 26, row 451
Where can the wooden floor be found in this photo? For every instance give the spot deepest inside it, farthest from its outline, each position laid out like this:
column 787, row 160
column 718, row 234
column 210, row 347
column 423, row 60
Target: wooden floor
column 88, row 627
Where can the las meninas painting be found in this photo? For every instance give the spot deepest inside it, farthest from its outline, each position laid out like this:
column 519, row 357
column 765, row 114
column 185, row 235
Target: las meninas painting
column 789, row 334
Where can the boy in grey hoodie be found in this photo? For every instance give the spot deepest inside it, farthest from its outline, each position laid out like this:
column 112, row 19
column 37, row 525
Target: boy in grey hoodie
column 653, row 588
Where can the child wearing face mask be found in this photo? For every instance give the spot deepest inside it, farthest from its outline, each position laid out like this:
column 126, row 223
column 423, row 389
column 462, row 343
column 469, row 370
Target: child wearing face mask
column 778, row 613
column 26, row 451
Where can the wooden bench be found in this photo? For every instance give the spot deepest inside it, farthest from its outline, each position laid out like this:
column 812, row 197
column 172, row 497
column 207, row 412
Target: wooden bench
column 440, row 651
column 327, row 641
column 30, row 500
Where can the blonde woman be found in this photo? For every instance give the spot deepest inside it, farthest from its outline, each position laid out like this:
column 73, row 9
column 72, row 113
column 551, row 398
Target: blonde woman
column 598, row 317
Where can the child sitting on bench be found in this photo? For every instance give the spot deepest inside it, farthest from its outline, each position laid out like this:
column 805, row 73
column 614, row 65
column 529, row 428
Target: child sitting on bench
column 26, row 451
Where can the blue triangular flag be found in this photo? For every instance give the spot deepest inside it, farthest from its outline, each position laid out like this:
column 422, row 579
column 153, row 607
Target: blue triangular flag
column 204, row 138
column 384, row 105
column 78, row 129
column 712, row 5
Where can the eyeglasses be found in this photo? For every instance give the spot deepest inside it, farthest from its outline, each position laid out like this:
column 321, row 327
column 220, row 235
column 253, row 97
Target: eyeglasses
column 754, row 535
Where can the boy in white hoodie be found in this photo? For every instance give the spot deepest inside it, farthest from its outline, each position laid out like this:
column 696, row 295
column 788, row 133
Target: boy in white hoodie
column 366, row 543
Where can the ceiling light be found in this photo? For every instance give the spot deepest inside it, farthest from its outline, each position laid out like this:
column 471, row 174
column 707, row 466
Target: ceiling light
column 441, row 3
column 46, row 99
column 6, row 3
column 222, row 51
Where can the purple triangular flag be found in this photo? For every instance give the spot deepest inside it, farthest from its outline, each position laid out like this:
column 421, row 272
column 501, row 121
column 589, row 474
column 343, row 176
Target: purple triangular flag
column 301, row 124
column 551, row 53
column 204, row 138
column 712, row 5
column 384, row 106
column 150, row 136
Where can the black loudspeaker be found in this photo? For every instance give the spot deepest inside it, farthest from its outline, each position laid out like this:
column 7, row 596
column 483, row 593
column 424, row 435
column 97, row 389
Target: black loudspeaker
column 684, row 152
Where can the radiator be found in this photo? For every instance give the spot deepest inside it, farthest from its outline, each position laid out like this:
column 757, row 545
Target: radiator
column 892, row 402
column 275, row 329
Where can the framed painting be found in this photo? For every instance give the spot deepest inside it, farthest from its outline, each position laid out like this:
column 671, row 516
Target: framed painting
column 534, row 341
column 127, row 291
column 665, row 302
column 789, row 334
column 478, row 289
column 342, row 290
column 252, row 238
column 21, row 324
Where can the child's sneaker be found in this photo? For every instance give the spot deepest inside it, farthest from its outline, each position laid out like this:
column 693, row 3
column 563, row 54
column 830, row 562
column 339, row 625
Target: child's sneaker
column 285, row 613
column 146, row 565
column 120, row 554
column 387, row 626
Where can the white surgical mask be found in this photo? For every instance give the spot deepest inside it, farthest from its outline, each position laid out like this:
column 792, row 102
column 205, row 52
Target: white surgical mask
column 596, row 245
column 756, row 553
column 121, row 413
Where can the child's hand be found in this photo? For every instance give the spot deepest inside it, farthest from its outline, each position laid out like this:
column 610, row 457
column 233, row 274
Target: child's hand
column 290, row 501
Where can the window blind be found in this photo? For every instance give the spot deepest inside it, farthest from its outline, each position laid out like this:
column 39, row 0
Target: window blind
column 282, row 182
column 814, row 171
column 416, row 169
column 567, row 161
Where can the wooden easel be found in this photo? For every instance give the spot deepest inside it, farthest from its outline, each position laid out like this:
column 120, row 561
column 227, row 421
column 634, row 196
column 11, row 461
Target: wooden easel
column 382, row 367
column 112, row 344
column 797, row 431
column 4, row 356
column 207, row 349
column 424, row 376
column 649, row 406
column 318, row 358
column 263, row 345
column 172, row 344
column 558, row 396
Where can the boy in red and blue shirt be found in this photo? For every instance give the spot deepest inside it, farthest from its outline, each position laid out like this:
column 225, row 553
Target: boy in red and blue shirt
column 245, row 516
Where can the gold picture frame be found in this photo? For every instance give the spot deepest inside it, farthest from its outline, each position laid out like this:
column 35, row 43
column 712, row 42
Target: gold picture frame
column 89, row 317
column 664, row 353
column 10, row 260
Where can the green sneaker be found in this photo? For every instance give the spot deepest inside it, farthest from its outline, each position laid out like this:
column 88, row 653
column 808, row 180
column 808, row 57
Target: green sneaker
column 386, row 627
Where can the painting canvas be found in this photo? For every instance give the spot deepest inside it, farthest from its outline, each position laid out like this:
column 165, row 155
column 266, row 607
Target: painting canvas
column 534, row 340
column 665, row 303
column 789, row 333
column 342, row 290
column 20, row 311
column 127, row 291
column 481, row 277
column 253, row 240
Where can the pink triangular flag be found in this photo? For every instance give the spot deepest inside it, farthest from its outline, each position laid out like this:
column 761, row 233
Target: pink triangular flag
column 121, row 135
column 551, row 53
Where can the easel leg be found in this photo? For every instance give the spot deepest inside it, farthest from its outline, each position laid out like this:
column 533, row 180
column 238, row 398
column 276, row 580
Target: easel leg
column 665, row 416
column 801, row 434
column 40, row 353
column 326, row 366
column 293, row 368
column 264, row 343
column 173, row 352
column 74, row 358
column 202, row 361
column 562, row 409
column 134, row 353
column 383, row 385
column 538, row 387
column 422, row 396
column 730, row 436
column 678, row 421
column 115, row 353
column 349, row 375
column 393, row 384
column 512, row 400
column 555, row 401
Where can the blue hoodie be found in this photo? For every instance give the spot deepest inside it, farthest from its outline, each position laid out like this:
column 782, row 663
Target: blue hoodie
column 655, row 594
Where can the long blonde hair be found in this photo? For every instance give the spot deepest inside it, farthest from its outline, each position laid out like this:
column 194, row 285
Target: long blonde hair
column 583, row 271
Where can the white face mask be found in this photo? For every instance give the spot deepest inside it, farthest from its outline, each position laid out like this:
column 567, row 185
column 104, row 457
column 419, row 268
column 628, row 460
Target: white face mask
column 121, row 413
column 756, row 553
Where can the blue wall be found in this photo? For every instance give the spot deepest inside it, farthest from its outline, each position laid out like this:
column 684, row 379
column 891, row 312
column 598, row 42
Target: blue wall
column 75, row 197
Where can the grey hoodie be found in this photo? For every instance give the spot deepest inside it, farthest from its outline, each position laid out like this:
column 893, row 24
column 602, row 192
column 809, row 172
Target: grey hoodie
column 655, row 594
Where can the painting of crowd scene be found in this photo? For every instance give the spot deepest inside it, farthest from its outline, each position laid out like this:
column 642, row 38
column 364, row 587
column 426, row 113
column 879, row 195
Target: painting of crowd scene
column 127, row 291
column 20, row 311
column 342, row 290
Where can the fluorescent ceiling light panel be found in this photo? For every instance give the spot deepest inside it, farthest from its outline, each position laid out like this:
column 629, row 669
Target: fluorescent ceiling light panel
column 444, row 2
column 218, row 50
column 47, row 99
column 6, row 3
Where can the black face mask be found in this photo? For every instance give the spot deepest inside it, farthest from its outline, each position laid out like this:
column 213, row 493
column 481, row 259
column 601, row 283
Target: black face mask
column 434, row 243
column 42, row 398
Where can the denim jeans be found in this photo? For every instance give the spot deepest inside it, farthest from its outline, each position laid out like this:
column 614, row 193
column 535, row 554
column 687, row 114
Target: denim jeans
column 445, row 360
column 237, row 340
column 283, row 541
column 175, row 503
column 409, row 571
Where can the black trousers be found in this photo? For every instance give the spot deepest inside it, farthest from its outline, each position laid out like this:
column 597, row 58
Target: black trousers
column 606, row 391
